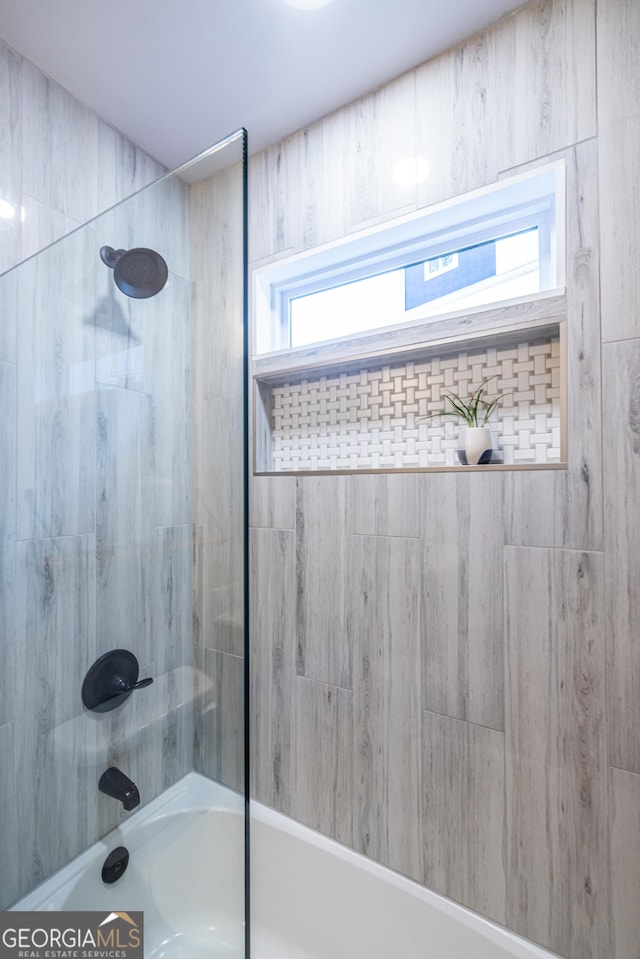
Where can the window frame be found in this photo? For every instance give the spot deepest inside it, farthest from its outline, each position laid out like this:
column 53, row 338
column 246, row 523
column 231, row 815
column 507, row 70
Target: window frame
column 534, row 198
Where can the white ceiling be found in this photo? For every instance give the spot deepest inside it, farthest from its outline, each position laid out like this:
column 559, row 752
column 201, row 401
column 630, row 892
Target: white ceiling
column 175, row 77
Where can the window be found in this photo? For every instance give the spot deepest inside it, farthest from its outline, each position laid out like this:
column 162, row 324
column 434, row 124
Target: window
column 494, row 245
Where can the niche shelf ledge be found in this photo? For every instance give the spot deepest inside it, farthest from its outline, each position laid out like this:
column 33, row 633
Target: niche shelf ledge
column 336, row 408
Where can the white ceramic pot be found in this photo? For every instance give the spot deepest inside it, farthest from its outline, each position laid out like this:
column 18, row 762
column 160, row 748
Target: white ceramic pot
column 477, row 445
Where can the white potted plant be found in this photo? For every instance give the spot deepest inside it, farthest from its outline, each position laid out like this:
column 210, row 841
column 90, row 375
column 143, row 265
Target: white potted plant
column 475, row 412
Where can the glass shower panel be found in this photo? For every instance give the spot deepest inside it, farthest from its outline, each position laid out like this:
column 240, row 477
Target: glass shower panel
column 122, row 525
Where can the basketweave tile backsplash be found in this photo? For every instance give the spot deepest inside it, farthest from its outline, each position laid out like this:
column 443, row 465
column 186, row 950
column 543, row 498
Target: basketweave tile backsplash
column 374, row 418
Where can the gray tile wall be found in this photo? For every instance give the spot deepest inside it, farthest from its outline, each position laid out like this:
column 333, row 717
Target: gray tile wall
column 217, row 476
column 96, row 536
column 61, row 164
column 446, row 667
column 97, row 540
column 105, row 470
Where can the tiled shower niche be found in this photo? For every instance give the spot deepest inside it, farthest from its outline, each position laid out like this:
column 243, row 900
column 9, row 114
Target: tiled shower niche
column 379, row 414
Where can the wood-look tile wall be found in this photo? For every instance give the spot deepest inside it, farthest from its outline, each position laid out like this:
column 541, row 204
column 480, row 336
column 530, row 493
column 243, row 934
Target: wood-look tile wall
column 61, row 164
column 445, row 668
column 97, row 540
column 217, row 262
column 96, row 536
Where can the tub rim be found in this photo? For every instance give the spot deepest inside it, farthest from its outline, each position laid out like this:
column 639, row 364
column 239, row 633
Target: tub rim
column 520, row 946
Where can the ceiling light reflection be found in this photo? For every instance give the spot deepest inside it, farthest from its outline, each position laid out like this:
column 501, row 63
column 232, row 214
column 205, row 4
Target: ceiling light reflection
column 7, row 210
column 411, row 170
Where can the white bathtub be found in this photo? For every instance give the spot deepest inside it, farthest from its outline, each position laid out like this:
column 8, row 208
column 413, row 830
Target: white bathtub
column 186, row 872
column 312, row 898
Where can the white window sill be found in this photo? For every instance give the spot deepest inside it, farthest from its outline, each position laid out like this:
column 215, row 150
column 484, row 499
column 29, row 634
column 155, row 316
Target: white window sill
column 423, row 336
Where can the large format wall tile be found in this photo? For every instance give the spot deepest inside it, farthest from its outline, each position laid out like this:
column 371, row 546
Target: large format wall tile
column 163, row 751
column 218, row 413
column 218, row 467
column 132, row 353
column 323, row 758
column 273, row 656
column 619, row 164
column 7, row 538
column 621, row 413
column 618, row 23
column 126, row 549
column 620, row 230
column 324, row 649
column 218, row 500
column 273, row 228
column 379, row 130
column 55, row 624
column 332, row 194
column 11, row 120
column 457, row 97
column 463, row 817
column 199, row 679
column 523, row 89
column 325, row 164
column 123, row 168
column 143, row 346
column 550, row 82
column 167, row 343
column 171, row 622
column 10, row 845
column 557, row 886
column 42, row 225
column 385, row 505
column 384, row 627
column 54, row 126
column 57, row 816
column 56, row 401
column 272, row 502
column 624, row 813
column 342, row 167
column 462, row 531
column 122, row 358
column 216, row 271
column 564, row 508
column 9, row 312
column 224, row 719
column 55, row 600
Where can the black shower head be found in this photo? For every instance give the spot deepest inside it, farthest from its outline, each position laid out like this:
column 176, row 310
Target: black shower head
column 138, row 273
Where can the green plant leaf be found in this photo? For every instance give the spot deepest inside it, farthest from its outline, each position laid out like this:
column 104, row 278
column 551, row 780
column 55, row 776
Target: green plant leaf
column 475, row 411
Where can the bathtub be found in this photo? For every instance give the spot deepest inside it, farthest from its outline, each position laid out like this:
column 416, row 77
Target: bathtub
column 185, row 872
column 312, row 898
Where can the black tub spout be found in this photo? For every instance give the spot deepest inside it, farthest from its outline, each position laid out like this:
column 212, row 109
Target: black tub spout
column 114, row 783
